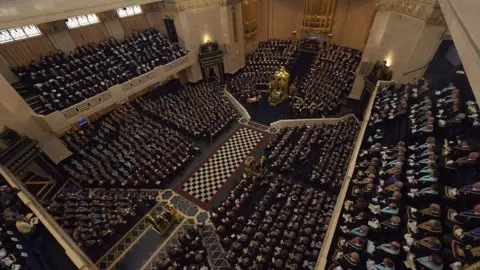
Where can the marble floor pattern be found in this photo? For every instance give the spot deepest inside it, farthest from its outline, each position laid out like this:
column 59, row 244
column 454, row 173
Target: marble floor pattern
column 141, row 241
column 202, row 186
column 216, row 255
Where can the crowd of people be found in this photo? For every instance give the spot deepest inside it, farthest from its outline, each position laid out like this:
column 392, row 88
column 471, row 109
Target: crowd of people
column 328, row 145
column 17, row 228
column 413, row 201
column 63, row 80
column 197, row 109
column 328, row 82
column 126, row 149
column 284, row 229
column 91, row 219
column 336, row 148
column 190, row 254
column 260, row 67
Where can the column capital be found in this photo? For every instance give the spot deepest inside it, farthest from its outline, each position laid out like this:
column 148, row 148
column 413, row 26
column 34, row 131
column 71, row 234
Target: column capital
column 183, row 5
column 426, row 10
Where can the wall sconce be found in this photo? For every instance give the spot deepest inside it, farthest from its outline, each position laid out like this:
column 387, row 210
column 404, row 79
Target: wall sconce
column 206, row 38
column 387, row 62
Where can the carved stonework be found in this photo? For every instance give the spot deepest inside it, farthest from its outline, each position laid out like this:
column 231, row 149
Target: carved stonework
column 53, row 27
column 109, row 15
column 415, row 8
column 195, row 4
column 152, row 7
column 437, row 16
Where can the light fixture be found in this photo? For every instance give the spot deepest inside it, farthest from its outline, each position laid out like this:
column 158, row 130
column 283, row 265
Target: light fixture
column 387, row 62
column 206, row 38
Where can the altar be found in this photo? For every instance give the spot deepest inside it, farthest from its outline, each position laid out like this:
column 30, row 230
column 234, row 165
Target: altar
column 278, row 88
column 211, row 61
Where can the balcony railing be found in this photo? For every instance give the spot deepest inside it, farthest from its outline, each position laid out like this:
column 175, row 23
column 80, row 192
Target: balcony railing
column 59, row 121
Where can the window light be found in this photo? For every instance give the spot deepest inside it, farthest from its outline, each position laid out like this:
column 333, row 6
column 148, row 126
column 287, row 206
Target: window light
column 129, row 11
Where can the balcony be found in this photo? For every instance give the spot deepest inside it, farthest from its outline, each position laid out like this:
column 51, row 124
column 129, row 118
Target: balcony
column 60, row 121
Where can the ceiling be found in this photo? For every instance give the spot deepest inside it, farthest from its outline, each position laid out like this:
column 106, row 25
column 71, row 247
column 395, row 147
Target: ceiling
column 24, row 12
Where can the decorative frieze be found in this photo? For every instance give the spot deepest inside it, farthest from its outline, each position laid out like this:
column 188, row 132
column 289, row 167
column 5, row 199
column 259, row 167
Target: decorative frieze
column 183, row 5
column 414, row 8
column 437, row 16
column 176, row 63
column 137, row 81
column 89, row 103
column 427, row 10
column 53, row 27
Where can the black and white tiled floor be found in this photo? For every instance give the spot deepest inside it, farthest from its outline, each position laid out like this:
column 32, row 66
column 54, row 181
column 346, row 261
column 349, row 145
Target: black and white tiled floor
column 214, row 173
column 142, row 247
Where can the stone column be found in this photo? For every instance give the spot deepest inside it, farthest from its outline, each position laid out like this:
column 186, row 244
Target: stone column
column 406, row 34
column 463, row 21
column 17, row 114
column 63, row 41
column 199, row 21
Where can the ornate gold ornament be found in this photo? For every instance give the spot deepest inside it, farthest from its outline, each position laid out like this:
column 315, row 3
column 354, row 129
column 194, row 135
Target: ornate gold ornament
column 318, row 15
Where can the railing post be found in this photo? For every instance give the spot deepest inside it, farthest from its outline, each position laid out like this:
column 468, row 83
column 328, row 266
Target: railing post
column 78, row 257
column 323, row 257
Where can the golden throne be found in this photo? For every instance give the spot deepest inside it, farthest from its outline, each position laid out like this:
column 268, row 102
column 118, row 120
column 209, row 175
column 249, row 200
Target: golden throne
column 279, row 87
column 161, row 223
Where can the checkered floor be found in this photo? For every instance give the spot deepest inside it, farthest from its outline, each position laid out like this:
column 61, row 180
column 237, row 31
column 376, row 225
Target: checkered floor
column 205, row 183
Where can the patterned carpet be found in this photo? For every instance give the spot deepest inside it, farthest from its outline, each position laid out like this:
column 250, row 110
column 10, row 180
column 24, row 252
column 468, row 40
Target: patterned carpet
column 207, row 180
column 216, row 255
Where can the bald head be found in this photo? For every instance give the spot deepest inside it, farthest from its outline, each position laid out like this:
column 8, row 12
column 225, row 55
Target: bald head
column 355, row 256
column 473, row 155
column 476, row 186
column 477, row 208
column 364, row 228
column 435, row 208
column 395, row 219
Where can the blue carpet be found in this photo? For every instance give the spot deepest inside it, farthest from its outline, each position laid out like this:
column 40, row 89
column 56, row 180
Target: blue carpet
column 265, row 114
column 439, row 72
column 301, row 66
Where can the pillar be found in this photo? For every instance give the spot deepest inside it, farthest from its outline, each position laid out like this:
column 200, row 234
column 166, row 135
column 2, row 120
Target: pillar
column 63, row 41
column 17, row 114
column 115, row 29
column 463, row 21
column 406, row 38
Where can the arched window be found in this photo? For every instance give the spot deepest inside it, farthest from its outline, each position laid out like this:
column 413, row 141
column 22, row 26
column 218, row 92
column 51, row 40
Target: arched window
column 318, row 15
column 250, row 18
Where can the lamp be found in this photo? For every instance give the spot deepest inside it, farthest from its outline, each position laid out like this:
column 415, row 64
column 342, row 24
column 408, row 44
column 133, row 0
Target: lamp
column 206, row 38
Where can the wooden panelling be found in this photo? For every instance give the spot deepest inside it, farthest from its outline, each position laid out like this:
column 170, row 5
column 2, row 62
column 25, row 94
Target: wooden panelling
column 352, row 21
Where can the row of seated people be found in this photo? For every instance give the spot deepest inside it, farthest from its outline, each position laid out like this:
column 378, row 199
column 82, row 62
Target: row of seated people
column 63, row 80
column 335, row 153
column 17, row 231
column 454, row 115
column 93, row 219
column 284, row 231
column 329, row 144
column 126, row 148
column 429, row 111
column 391, row 111
column 413, row 206
column 191, row 254
column 260, row 67
column 198, row 110
column 328, row 82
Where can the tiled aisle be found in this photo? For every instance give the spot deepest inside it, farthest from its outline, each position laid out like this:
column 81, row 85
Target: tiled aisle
column 214, row 173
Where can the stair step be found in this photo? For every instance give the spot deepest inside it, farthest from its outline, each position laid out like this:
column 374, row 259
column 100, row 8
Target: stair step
column 32, row 98
column 42, row 111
